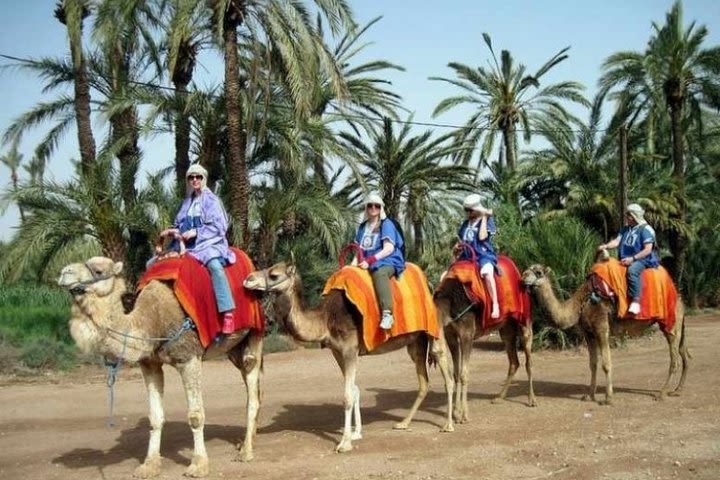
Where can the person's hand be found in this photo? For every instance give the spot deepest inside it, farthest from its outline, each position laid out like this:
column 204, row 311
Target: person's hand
column 602, row 247
column 189, row 234
column 627, row 261
column 168, row 232
column 487, row 212
column 364, row 265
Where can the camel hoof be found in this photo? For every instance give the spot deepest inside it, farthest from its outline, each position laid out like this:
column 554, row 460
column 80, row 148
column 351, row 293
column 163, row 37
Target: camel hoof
column 199, row 467
column 532, row 403
column 674, row 393
column 344, row 447
column 149, row 469
column 244, row 455
column 401, row 426
column 449, row 427
column 356, row 436
column 660, row 397
column 588, row 397
column 497, row 400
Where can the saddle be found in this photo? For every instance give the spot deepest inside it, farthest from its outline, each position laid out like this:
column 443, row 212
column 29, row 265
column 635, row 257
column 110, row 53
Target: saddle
column 513, row 298
column 193, row 289
column 413, row 307
column 658, row 295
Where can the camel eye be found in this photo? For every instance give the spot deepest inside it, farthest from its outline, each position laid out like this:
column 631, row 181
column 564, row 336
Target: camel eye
column 274, row 276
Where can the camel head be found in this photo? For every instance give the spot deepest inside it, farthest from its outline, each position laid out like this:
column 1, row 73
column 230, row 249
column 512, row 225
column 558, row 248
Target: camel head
column 281, row 277
column 536, row 275
column 98, row 276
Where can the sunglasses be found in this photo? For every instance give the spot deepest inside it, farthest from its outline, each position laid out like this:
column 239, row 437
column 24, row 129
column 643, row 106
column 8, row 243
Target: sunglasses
column 195, row 177
column 373, row 205
column 468, row 210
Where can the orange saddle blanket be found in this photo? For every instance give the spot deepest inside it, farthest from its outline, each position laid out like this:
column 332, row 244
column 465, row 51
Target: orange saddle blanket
column 413, row 307
column 658, row 295
column 193, row 289
column 513, row 298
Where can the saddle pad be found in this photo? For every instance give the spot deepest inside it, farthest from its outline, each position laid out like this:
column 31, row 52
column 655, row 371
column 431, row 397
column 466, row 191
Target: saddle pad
column 413, row 307
column 193, row 289
column 658, row 295
column 513, row 298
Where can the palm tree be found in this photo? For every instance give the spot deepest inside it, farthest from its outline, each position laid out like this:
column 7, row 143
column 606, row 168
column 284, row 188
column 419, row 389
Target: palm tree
column 71, row 13
column 12, row 160
column 186, row 31
column 573, row 172
column 502, row 96
column 688, row 75
column 287, row 29
column 404, row 168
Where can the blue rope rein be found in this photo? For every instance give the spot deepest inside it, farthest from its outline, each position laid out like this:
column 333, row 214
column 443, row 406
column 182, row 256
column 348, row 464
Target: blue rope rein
column 113, row 367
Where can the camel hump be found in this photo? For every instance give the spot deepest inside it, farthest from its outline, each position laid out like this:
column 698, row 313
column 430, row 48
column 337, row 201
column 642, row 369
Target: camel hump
column 658, row 295
column 413, row 307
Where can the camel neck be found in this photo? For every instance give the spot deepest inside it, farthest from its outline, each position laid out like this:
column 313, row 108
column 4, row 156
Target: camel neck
column 563, row 313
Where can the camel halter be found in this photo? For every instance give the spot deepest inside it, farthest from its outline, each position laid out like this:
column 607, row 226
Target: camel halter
column 80, row 288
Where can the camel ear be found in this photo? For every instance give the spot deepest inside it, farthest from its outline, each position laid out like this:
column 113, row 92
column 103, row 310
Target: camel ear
column 547, row 270
column 117, row 268
column 292, row 257
column 290, row 270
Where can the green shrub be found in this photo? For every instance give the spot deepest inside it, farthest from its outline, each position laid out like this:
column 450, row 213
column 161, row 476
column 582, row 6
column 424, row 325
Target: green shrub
column 33, row 327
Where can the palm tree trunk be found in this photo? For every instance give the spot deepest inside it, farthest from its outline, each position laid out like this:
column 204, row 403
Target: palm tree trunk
column 239, row 183
column 73, row 11
column 182, row 136
column 509, row 141
column 678, row 241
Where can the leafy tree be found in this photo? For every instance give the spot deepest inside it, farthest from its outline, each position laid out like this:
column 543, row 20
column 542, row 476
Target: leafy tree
column 676, row 68
column 12, row 160
column 287, row 29
column 504, row 95
column 404, row 167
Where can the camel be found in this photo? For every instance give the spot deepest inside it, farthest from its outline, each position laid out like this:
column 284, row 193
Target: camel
column 461, row 320
column 337, row 325
column 598, row 320
column 99, row 325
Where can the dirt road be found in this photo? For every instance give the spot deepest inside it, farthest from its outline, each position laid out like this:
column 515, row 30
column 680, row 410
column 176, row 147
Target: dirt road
column 56, row 428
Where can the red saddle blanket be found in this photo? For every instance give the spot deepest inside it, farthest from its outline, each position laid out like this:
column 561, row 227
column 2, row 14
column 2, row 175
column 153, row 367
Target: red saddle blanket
column 193, row 289
column 658, row 295
column 513, row 298
column 413, row 307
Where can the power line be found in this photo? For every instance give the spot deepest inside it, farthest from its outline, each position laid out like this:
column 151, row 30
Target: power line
column 360, row 117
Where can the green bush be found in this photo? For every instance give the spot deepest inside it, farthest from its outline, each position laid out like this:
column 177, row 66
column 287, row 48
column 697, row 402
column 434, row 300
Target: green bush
column 564, row 244
column 701, row 283
column 33, row 327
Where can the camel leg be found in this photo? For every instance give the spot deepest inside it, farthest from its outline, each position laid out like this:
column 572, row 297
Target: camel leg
column 154, row 383
column 527, row 337
column 592, row 347
column 417, row 352
column 673, row 341
column 251, row 368
column 348, row 364
column 191, row 374
column 439, row 351
column 602, row 336
column 508, row 333
column 454, row 346
column 465, row 340
column 684, row 355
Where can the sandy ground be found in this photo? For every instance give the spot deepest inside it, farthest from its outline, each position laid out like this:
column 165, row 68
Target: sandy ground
column 55, row 427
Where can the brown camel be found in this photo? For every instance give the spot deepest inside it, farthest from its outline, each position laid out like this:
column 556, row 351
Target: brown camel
column 99, row 325
column 462, row 322
column 598, row 321
column 337, row 325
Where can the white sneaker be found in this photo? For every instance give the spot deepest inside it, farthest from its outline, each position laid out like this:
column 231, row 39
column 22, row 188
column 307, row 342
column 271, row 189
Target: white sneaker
column 387, row 320
column 634, row 308
column 495, row 312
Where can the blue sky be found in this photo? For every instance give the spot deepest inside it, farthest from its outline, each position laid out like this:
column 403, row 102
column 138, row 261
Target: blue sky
column 421, row 35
